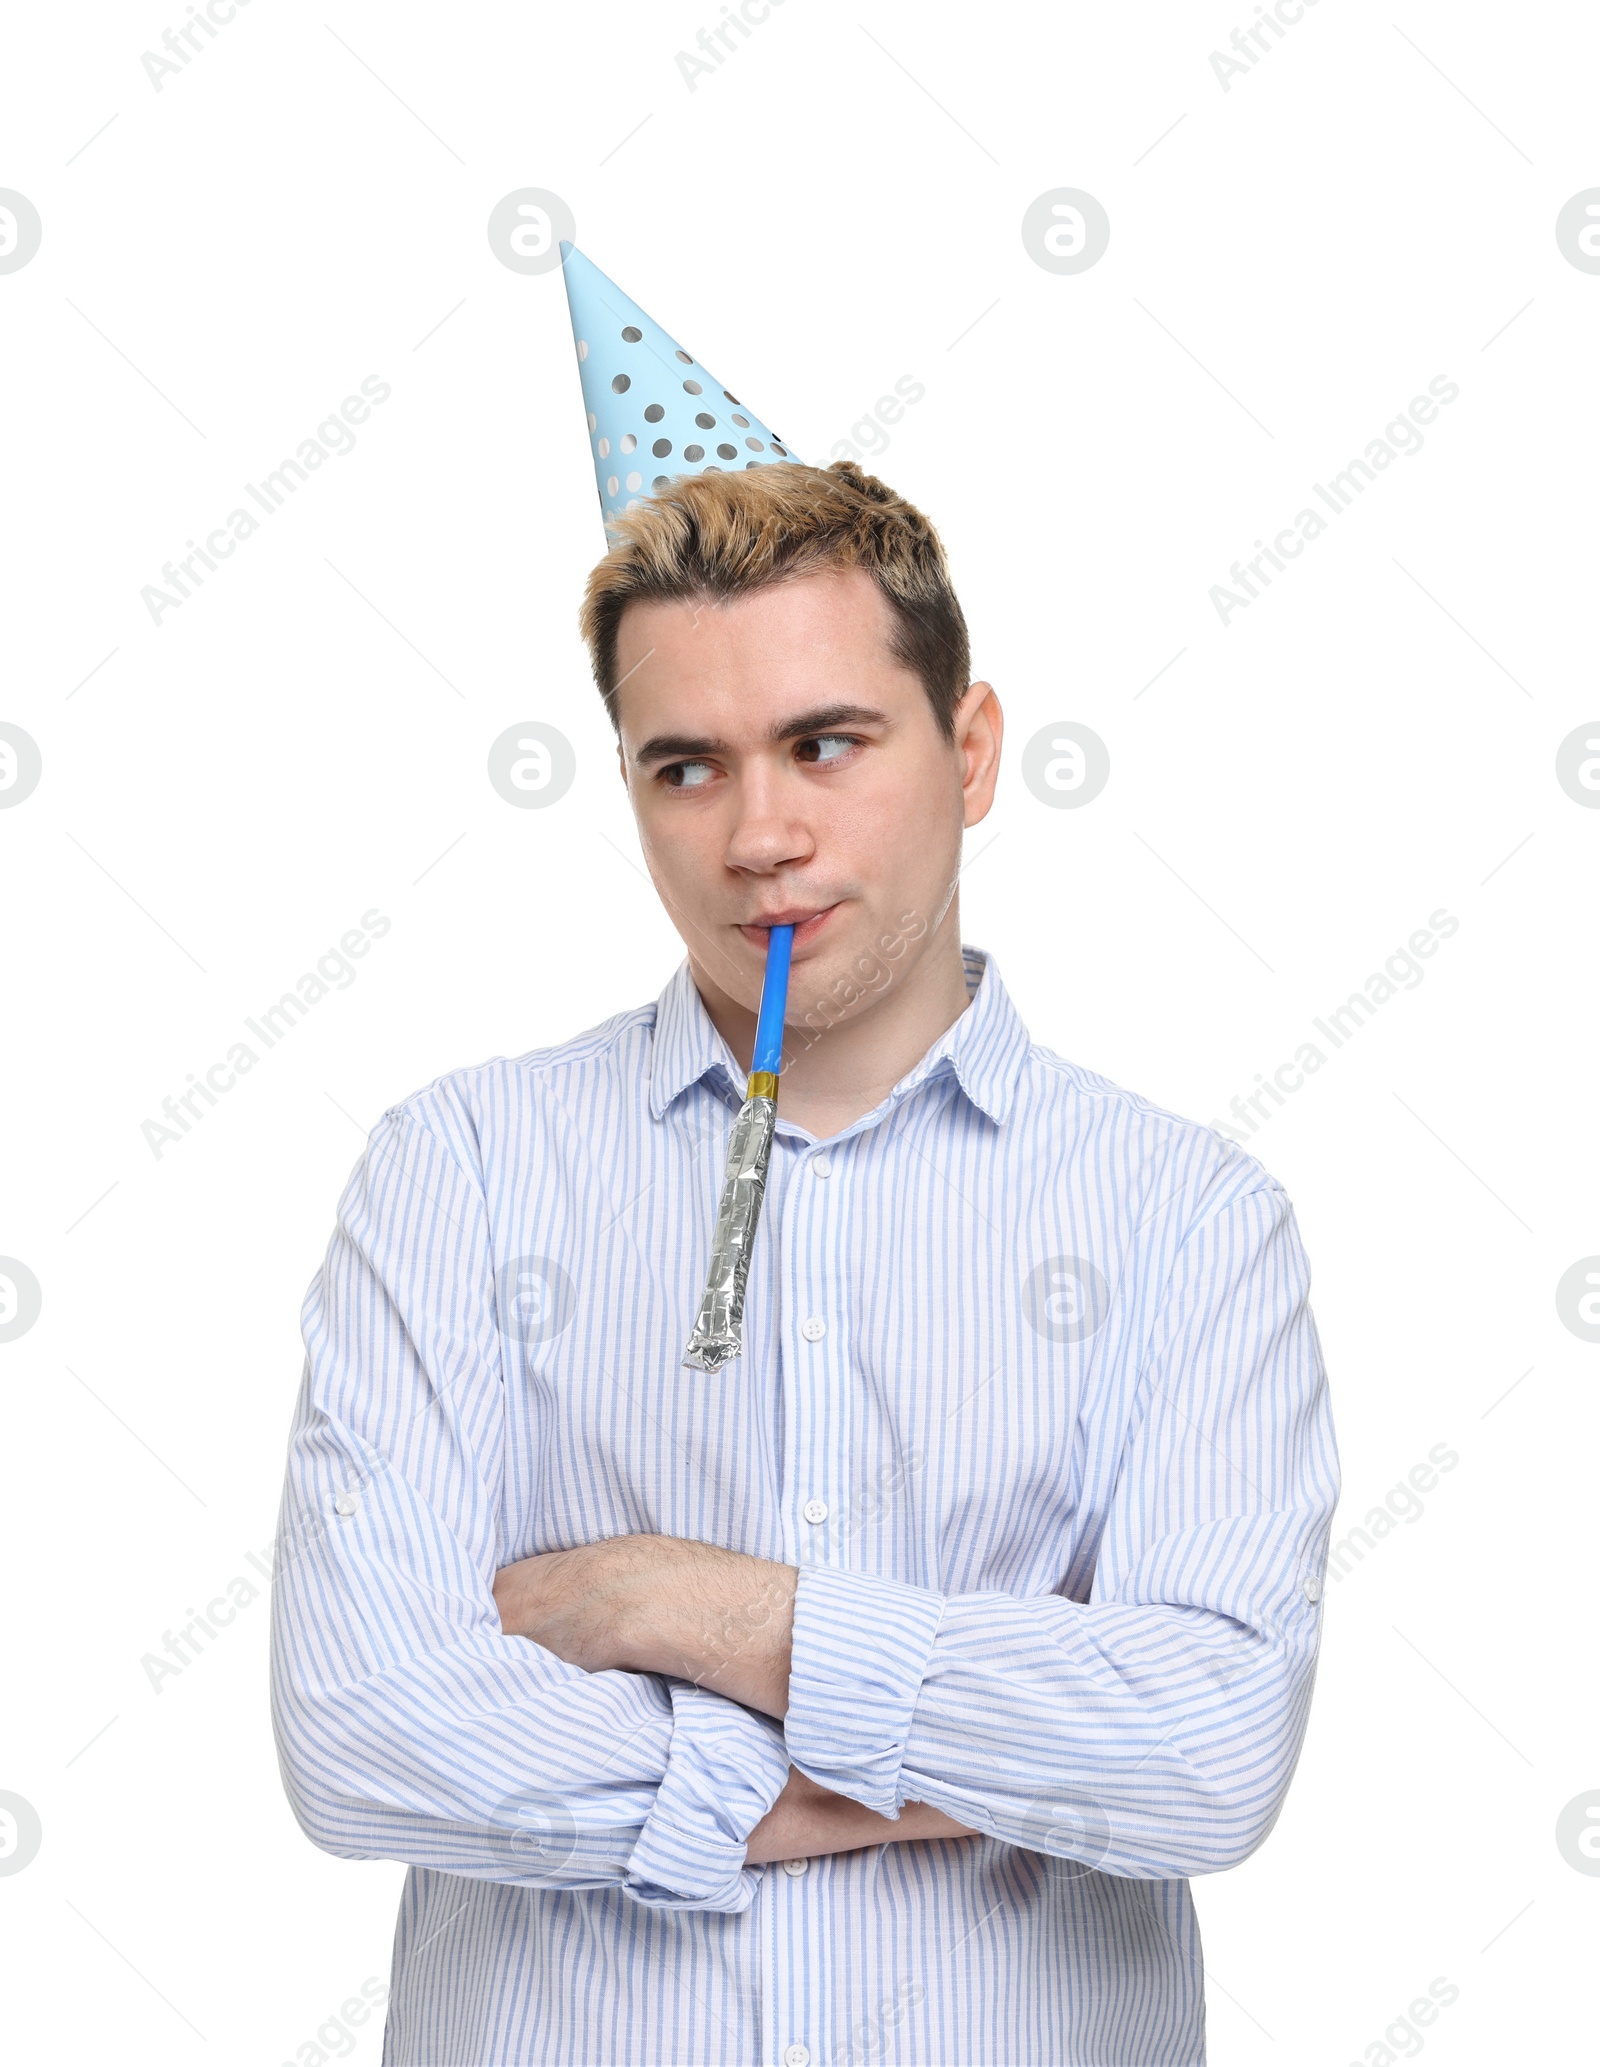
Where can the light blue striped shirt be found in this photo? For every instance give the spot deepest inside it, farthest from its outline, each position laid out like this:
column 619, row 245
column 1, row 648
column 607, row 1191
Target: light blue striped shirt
column 1031, row 1395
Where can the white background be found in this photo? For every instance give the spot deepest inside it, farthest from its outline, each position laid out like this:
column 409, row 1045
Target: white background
column 1374, row 738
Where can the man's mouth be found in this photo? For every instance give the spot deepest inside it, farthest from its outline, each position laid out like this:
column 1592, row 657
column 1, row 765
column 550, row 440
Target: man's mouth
column 806, row 919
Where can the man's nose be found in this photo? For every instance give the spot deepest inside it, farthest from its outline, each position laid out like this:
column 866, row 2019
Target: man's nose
column 770, row 830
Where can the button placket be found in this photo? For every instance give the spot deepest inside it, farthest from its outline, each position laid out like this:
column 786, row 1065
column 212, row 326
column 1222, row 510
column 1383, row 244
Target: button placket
column 814, row 1405
column 810, row 1293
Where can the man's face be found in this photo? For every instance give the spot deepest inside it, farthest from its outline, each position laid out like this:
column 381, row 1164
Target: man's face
column 784, row 767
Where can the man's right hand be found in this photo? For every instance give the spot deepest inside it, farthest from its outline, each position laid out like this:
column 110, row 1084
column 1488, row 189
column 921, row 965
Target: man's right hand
column 808, row 1821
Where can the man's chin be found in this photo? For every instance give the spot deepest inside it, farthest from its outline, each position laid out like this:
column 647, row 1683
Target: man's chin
column 847, row 974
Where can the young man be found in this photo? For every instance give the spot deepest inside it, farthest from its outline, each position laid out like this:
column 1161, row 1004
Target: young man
column 872, row 1698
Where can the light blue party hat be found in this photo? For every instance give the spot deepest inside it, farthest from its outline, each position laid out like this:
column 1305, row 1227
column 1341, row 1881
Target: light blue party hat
column 654, row 411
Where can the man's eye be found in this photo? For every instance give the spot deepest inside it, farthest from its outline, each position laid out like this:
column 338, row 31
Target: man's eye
column 687, row 774
column 827, row 746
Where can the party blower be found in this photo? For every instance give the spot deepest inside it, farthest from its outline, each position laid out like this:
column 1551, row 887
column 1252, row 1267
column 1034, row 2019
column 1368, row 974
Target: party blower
column 718, row 1333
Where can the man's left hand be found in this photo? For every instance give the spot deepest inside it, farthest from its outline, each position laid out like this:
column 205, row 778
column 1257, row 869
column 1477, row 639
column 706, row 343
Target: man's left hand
column 660, row 1604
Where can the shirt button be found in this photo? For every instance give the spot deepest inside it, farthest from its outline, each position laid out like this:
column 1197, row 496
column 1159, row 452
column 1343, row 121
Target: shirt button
column 1312, row 1589
column 813, row 1330
column 821, row 1167
column 794, row 1868
column 815, row 1510
column 797, row 2056
column 347, row 1503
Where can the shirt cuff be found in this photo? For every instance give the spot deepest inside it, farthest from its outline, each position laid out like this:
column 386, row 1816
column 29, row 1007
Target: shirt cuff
column 725, row 1768
column 860, row 1654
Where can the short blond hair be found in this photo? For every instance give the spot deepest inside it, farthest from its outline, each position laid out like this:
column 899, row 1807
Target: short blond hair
column 728, row 534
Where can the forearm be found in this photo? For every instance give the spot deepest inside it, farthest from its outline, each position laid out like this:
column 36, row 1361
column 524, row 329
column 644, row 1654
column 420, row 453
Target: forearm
column 810, row 1822
column 411, row 1727
column 658, row 1604
column 1146, row 1739
column 724, row 1621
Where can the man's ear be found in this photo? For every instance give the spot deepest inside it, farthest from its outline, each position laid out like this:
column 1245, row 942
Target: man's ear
column 979, row 730
column 622, row 764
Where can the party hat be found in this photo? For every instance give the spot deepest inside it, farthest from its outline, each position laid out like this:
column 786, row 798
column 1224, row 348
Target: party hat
column 655, row 413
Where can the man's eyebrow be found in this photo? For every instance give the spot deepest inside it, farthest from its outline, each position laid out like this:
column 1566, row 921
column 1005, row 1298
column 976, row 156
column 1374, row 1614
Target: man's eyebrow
column 678, row 746
column 828, row 717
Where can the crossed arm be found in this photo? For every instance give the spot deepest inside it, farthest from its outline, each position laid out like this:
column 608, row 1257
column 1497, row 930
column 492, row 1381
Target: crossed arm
column 1144, row 1723
column 695, row 1612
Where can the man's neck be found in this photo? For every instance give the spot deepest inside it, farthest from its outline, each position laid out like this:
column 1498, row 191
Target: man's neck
column 834, row 1075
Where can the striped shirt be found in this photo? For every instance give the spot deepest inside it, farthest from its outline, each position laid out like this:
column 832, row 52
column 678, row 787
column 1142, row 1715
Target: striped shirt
column 1032, row 1397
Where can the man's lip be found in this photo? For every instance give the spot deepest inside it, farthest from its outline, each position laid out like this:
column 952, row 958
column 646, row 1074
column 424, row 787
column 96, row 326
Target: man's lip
column 796, row 915
column 807, row 921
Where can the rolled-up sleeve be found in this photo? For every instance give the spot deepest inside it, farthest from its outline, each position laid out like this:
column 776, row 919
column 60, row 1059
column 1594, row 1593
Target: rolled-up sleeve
column 409, row 1726
column 1152, row 1729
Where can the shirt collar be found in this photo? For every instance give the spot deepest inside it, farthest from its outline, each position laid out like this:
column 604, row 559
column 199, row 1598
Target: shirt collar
column 985, row 1047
